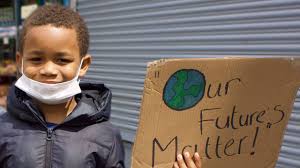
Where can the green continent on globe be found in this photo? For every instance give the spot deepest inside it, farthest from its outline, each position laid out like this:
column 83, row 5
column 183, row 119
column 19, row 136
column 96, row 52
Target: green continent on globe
column 178, row 101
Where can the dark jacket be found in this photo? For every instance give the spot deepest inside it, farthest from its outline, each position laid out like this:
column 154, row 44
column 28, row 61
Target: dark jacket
column 84, row 140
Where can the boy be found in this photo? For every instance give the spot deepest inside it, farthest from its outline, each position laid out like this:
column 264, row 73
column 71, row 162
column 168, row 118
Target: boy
column 51, row 121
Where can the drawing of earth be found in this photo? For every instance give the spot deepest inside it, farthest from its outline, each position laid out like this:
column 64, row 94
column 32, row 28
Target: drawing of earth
column 184, row 89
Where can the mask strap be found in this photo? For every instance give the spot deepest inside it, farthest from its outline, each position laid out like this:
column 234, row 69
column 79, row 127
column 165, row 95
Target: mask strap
column 22, row 67
column 78, row 71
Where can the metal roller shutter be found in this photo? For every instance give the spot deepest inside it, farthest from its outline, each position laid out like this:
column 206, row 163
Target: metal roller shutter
column 126, row 34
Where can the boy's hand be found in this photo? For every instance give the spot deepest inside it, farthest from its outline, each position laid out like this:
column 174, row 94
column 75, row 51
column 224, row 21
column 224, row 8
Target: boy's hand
column 188, row 161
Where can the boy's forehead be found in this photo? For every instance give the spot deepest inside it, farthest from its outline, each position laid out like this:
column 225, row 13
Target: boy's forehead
column 50, row 30
column 51, row 37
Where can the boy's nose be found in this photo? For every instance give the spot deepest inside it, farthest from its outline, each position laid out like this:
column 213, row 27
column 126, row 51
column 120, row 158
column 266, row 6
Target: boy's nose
column 49, row 69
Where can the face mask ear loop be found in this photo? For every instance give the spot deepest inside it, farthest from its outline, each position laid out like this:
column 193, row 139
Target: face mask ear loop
column 22, row 67
column 78, row 71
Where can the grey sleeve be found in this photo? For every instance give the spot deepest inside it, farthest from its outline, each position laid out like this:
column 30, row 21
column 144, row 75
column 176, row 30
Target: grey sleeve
column 116, row 155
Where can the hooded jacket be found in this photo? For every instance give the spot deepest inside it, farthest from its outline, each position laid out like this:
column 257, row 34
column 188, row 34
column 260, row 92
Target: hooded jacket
column 84, row 140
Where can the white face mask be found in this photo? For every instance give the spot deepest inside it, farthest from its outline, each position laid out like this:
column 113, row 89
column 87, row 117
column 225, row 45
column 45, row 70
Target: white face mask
column 49, row 93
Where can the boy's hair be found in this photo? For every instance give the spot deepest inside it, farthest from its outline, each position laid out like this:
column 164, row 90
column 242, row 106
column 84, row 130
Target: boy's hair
column 57, row 16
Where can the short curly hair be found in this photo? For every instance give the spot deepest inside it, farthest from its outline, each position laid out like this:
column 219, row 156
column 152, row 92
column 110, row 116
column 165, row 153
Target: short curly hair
column 58, row 16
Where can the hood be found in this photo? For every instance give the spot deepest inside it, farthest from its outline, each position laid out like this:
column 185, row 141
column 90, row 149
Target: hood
column 93, row 106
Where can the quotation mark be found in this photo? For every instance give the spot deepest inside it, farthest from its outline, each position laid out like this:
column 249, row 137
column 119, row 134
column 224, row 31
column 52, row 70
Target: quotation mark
column 269, row 125
column 156, row 74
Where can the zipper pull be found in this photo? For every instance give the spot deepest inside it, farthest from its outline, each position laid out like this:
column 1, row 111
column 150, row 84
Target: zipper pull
column 49, row 134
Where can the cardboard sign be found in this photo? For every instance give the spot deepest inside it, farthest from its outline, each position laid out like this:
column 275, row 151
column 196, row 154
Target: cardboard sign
column 233, row 111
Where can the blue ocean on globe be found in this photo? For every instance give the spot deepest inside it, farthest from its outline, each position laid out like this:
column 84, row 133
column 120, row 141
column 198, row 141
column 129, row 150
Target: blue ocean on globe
column 184, row 89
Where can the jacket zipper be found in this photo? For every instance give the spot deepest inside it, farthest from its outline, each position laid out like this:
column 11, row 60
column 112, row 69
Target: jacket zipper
column 48, row 148
column 48, row 138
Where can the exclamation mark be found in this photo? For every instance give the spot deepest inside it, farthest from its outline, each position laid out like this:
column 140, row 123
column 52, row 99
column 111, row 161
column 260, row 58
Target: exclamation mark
column 254, row 141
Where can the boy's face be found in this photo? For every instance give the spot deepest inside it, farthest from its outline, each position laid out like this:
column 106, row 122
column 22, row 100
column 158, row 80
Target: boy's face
column 52, row 55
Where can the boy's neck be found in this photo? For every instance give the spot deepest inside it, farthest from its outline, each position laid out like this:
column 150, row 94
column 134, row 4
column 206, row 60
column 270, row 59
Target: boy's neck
column 57, row 113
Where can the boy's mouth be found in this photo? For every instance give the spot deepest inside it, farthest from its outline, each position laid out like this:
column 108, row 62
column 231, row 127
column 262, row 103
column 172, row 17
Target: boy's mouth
column 50, row 82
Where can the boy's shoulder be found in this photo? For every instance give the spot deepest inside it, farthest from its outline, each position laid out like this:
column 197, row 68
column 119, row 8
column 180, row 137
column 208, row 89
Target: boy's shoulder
column 106, row 128
column 102, row 132
column 4, row 117
column 7, row 123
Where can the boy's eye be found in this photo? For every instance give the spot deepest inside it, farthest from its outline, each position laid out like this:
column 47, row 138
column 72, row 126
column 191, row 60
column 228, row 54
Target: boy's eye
column 35, row 60
column 64, row 61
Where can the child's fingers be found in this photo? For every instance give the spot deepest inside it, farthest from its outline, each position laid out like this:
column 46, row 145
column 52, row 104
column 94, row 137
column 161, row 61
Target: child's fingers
column 197, row 160
column 175, row 165
column 189, row 161
column 180, row 161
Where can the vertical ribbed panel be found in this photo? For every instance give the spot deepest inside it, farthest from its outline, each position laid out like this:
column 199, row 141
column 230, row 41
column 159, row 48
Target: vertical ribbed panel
column 126, row 34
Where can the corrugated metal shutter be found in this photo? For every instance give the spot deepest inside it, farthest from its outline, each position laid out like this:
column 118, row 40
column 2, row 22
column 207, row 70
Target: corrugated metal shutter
column 126, row 34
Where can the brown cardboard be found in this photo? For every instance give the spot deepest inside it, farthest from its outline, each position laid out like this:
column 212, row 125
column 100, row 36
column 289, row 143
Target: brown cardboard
column 261, row 90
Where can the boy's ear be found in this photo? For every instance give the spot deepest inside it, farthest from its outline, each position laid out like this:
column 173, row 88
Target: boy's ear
column 86, row 62
column 19, row 57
